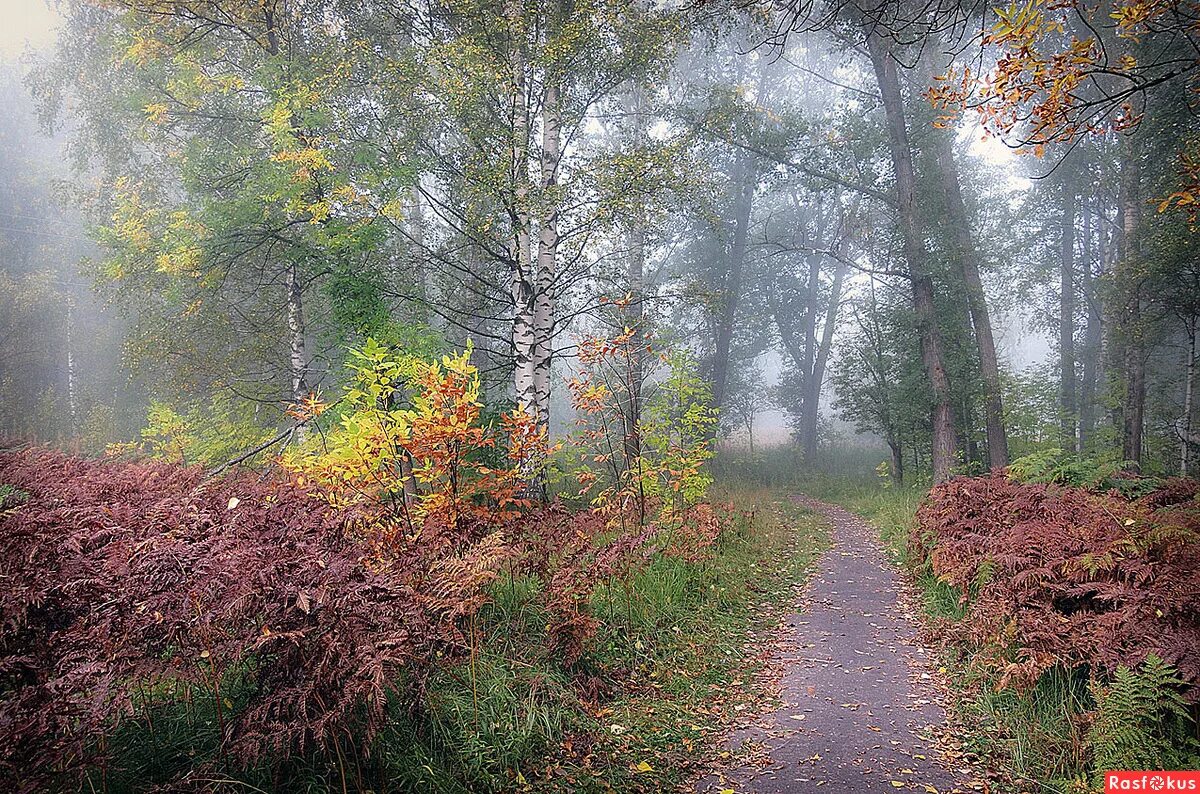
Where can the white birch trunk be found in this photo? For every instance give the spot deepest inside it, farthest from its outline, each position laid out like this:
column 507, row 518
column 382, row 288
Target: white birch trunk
column 298, row 359
column 72, row 402
column 522, row 283
column 547, row 260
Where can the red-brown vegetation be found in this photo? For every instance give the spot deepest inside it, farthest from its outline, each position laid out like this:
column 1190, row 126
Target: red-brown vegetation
column 119, row 579
column 1056, row 575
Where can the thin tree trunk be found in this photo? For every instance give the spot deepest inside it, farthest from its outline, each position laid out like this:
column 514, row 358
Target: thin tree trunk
column 1092, row 335
column 635, row 319
column 547, row 269
column 897, row 461
column 416, row 232
column 1066, row 315
column 732, row 289
column 1112, row 345
column 812, row 398
column 808, row 352
column 968, row 260
column 634, row 313
column 298, row 359
column 1134, row 404
column 944, row 452
column 522, row 285
column 72, row 396
column 1189, row 390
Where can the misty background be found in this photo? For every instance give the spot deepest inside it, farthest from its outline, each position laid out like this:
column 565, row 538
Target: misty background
column 64, row 361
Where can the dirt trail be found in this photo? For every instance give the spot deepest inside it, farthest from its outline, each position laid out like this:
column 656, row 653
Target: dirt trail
column 859, row 706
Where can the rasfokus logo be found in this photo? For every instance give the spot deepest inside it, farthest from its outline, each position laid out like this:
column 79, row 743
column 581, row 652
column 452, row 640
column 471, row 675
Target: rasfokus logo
column 1151, row 781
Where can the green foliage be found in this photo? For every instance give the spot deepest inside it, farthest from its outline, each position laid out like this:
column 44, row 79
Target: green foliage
column 11, row 497
column 205, row 433
column 1052, row 465
column 491, row 717
column 1142, row 721
column 503, row 718
column 1031, row 410
column 678, row 429
column 1035, row 735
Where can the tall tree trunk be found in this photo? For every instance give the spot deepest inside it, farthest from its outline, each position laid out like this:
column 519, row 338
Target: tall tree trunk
column 1134, row 403
column 944, row 450
column 547, row 267
column 522, row 286
column 731, row 290
column 897, row 461
column 416, row 233
column 968, row 260
column 72, row 395
column 1066, row 315
column 1092, row 335
column 1189, row 391
column 298, row 358
column 808, row 349
column 634, row 312
column 812, row 399
column 1112, row 378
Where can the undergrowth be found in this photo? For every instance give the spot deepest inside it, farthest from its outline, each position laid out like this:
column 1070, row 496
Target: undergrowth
column 666, row 672
column 657, row 686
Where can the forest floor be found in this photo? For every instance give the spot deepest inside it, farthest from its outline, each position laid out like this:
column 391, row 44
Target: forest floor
column 859, row 696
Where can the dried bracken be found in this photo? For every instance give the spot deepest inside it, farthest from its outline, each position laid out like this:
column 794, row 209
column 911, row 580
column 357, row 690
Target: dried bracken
column 1055, row 575
column 122, row 579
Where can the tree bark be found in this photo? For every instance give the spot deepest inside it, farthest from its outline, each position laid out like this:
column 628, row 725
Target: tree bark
column 968, row 260
column 731, row 291
column 897, row 461
column 944, row 451
column 1092, row 335
column 416, row 232
column 1134, row 403
column 1189, row 391
column 1066, row 316
column 298, row 358
column 522, row 285
column 72, row 396
column 808, row 352
column 812, row 399
column 544, row 308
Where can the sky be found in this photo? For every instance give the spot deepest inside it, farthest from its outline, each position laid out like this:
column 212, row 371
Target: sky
column 25, row 23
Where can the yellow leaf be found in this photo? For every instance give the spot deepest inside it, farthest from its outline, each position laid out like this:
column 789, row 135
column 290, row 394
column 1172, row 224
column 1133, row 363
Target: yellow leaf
column 644, row 767
column 898, row 784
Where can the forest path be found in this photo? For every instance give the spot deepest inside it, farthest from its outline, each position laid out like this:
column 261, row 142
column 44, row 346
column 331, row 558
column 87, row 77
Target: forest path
column 858, row 696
